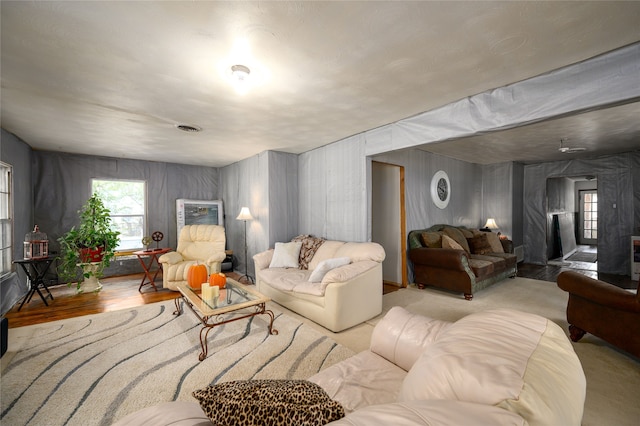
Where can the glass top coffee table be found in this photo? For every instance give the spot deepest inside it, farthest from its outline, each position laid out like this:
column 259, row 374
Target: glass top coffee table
column 236, row 302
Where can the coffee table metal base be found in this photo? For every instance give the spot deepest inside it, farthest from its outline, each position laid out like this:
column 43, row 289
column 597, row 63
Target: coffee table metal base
column 209, row 322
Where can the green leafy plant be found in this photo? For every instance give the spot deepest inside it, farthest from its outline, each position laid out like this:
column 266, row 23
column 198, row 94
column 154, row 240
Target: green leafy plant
column 94, row 233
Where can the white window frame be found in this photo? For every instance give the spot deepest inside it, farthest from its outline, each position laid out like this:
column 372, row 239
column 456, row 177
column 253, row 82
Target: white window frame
column 144, row 216
column 7, row 174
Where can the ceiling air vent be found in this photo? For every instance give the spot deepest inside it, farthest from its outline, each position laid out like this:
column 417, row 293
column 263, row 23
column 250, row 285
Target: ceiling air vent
column 188, row 128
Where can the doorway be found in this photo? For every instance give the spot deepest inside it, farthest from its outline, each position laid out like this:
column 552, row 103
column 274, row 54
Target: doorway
column 588, row 223
column 572, row 218
column 388, row 220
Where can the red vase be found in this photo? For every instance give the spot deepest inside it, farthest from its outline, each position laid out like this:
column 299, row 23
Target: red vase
column 88, row 255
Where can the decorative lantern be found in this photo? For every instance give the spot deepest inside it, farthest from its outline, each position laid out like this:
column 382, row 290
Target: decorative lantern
column 218, row 279
column 36, row 244
column 196, row 275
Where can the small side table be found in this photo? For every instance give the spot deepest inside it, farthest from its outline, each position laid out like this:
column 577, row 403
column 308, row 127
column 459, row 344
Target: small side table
column 35, row 269
column 153, row 254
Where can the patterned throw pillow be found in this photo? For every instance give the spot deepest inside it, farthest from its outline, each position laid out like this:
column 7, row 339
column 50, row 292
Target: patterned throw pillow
column 309, row 247
column 268, row 402
column 480, row 244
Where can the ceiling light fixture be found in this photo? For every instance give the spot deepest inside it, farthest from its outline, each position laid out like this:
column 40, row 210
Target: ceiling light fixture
column 240, row 72
column 188, row 128
column 567, row 150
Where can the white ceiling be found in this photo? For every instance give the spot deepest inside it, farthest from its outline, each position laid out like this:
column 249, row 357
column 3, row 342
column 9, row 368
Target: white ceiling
column 115, row 78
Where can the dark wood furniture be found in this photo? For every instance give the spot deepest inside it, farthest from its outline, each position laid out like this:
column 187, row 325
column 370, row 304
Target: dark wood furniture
column 602, row 309
column 35, row 269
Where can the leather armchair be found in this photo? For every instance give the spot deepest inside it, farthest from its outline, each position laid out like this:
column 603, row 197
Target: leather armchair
column 204, row 244
column 602, row 309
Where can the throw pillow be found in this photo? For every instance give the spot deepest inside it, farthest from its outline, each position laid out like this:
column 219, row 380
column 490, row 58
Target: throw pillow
column 286, row 255
column 448, row 242
column 309, row 247
column 327, row 265
column 457, row 235
column 480, row 244
column 268, row 402
column 432, row 239
column 494, row 241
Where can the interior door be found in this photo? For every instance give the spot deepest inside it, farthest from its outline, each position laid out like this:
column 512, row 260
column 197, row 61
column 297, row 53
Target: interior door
column 588, row 226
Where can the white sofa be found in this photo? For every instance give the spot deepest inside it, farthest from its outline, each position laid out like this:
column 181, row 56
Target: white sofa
column 346, row 296
column 494, row 367
column 203, row 244
column 498, row 367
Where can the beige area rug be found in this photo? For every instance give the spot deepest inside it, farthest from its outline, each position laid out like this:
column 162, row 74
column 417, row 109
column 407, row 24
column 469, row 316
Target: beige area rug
column 613, row 377
column 96, row 369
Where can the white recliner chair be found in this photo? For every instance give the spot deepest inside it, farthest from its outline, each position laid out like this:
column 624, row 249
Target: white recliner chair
column 203, row 244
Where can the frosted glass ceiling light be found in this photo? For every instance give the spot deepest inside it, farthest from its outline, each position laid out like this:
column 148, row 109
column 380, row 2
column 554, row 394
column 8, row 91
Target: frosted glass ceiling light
column 240, row 73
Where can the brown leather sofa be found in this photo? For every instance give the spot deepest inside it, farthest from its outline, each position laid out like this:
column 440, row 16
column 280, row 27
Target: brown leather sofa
column 602, row 309
column 467, row 269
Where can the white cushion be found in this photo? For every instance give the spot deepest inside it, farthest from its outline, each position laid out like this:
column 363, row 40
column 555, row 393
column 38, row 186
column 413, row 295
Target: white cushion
column 327, row 265
column 480, row 358
column 286, row 255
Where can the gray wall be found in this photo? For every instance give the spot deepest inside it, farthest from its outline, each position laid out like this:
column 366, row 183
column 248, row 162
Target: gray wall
column 267, row 183
column 62, row 183
column 16, row 153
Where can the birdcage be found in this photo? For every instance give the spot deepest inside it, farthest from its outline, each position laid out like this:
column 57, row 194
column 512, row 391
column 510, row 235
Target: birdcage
column 36, row 244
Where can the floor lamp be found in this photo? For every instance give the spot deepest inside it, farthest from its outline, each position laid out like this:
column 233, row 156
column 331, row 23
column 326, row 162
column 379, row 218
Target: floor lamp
column 245, row 215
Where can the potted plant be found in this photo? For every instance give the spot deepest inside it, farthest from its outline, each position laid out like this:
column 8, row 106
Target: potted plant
column 90, row 246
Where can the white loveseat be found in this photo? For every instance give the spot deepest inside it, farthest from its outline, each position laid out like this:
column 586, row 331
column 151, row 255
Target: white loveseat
column 346, row 296
column 494, row 367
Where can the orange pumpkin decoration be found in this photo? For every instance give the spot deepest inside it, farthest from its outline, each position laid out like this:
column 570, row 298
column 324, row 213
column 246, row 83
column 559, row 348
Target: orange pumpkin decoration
column 218, row 279
column 196, row 275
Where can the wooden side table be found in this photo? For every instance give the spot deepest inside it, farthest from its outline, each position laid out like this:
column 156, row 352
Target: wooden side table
column 153, row 254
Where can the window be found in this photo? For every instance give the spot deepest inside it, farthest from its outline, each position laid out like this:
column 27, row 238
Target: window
column 6, row 215
column 590, row 221
column 126, row 199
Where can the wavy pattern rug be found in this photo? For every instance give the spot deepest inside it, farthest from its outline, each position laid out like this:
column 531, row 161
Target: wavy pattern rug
column 94, row 370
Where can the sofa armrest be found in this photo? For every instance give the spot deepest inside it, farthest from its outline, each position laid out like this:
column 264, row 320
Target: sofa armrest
column 216, row 257
column 171, row 258
column 402, row 336
column 598, row 292
column 263, row 260
column 439, row 257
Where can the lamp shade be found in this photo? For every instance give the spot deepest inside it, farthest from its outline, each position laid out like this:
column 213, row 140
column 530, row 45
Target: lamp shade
column 491, row 223
column 245, row 214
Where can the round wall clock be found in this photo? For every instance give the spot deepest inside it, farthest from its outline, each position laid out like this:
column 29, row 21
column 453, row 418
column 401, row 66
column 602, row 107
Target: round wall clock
column 440, row 189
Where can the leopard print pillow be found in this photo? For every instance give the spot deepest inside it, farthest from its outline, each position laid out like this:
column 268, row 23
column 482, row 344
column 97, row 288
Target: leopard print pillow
column 268, row 402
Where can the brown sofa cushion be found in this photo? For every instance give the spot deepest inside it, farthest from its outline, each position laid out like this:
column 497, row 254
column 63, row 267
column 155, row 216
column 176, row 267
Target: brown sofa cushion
column 457, row 235
column 494, row 240
column 481, row 268
column 480, row 244
column 431, row 239
column 509, row 258
column 499, row 263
